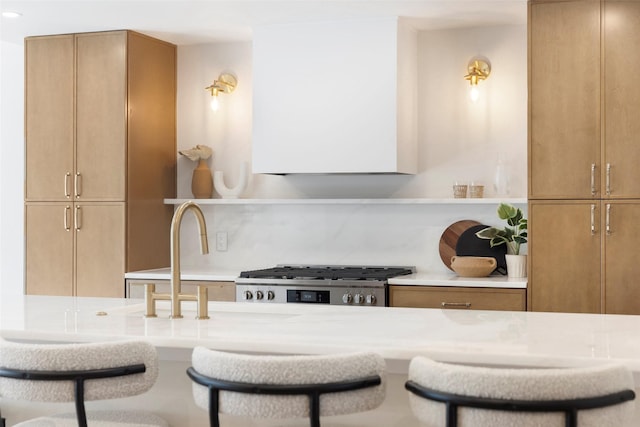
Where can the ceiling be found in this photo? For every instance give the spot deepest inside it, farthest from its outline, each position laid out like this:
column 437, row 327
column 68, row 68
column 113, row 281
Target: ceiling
column 209, row 21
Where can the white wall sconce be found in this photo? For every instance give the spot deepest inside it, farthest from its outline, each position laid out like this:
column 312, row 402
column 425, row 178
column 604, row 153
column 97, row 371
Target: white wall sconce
column 478, row 68
column 226, row 83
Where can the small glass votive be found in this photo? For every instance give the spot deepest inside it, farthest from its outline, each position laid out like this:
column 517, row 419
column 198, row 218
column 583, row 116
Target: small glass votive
column 476, row 191
column 459, row 191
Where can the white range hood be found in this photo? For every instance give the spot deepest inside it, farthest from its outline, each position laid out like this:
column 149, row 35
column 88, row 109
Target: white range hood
column 335, row 97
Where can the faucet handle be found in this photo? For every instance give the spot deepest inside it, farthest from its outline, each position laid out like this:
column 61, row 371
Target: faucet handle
column 203, row 302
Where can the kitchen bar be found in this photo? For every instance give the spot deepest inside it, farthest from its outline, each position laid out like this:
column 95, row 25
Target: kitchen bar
column 492, row 338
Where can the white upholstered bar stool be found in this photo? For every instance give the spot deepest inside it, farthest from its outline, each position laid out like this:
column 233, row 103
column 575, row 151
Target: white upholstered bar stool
column 452, row 395
column 268, row 386
column 79, row 372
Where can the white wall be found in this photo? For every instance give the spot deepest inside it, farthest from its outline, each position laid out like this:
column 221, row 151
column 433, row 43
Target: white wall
column 457, row 140
column 11, row 167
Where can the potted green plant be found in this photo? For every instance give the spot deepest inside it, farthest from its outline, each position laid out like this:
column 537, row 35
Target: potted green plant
column 513, row 235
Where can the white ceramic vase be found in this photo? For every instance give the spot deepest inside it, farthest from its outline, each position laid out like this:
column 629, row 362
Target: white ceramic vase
column 516, row 266
column 231, row 193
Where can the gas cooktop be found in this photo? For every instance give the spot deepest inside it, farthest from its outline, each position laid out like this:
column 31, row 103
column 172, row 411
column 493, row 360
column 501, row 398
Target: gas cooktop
column 328, row 272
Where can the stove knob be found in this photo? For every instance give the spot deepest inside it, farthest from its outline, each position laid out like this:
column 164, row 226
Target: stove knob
column 347, row 298
column 371, row 299
column 358, row 299
column 248, row 295
column 270, row 295
column 259, row 295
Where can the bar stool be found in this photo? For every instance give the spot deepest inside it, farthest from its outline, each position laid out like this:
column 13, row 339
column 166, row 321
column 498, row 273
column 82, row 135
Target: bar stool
column 268, row 386
column 452, row 395
column 76, row 373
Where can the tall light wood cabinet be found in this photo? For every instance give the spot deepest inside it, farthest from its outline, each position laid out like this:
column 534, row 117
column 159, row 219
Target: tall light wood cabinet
column 583, row 156
column 564, row 98
column 100, row 159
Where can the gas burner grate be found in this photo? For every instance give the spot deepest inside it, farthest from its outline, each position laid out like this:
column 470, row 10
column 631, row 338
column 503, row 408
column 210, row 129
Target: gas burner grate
column 288, row 272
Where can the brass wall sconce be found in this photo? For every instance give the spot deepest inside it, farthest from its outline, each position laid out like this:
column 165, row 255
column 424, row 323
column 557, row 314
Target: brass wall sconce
column 478, row 68
column 226, row 83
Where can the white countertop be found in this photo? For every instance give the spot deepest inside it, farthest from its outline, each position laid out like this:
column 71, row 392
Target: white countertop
column 429, row 279
column 398, row 334
column 418, row 279
column 192, row 273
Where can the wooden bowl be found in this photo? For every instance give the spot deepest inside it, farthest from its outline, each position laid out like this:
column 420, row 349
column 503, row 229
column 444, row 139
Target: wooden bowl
column 473, row 266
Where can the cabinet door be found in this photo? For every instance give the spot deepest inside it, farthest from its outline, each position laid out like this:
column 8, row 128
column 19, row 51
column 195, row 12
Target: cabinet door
column 101, row 115
column 564, row 100
column 564, row 256
column 457, row 298
column 49, row 117
column 622, row 269
column 621, row 95
column 99, row 249
column 49, row 249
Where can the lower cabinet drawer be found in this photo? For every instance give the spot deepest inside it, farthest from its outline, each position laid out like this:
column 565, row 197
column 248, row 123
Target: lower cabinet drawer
column 458, row 298
column 216, row 291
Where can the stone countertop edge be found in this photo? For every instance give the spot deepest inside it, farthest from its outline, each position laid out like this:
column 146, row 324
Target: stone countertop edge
column 417, row 279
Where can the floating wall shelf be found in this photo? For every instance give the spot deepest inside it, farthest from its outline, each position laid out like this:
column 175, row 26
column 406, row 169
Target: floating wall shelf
column 443, row 201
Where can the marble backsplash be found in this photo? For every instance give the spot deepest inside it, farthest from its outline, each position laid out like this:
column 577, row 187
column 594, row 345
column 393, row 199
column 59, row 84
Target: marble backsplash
column 263, row 235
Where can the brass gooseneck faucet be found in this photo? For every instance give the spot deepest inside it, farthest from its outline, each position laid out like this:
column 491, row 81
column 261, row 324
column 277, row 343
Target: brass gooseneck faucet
column 176, row 296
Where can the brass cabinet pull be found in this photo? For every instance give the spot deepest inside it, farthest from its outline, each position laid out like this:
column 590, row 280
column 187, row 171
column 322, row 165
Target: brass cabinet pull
column 77, row 184
column 593, row 220
column 608, row 185
column 593, row 179
column 608, row 217
column 66, row 218
column 77, row 218
column 67, row 193
column 445, row 304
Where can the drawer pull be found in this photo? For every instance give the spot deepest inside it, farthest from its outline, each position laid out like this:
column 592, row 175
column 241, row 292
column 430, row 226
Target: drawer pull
column 445, row 304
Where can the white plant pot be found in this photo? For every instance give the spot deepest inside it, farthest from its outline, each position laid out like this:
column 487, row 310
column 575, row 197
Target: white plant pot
column 516, row 266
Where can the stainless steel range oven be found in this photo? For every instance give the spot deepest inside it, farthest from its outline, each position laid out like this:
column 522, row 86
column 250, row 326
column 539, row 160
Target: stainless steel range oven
column 318, row 284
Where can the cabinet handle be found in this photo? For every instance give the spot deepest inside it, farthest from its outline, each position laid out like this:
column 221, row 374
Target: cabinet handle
column 593, row 220
column 67, row 193
column 77, row 184
column 66, row 218
column 608, row 185
column 607, row 223
column 77, row 218
column 445, row 304
column 593, row 179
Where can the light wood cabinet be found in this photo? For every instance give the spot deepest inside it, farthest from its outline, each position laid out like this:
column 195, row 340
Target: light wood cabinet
column 621, row 136
column 564, row 99
column 83, row 257
column 584, row 154
column 564, row 256
column 583, row 256
column 101, row 151
column 621, row 266
column 457, row 298
column 216, row 291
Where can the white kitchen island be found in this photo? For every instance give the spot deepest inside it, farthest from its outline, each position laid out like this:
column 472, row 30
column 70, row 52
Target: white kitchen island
column 398, row 334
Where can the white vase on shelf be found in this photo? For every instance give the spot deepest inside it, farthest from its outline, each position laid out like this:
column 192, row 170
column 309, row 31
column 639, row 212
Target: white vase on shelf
column 231, row 193
column 501, row 179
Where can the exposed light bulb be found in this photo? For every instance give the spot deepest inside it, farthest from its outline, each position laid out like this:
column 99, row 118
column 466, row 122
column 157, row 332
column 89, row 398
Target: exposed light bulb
column 474, row 94
column 215, row 104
